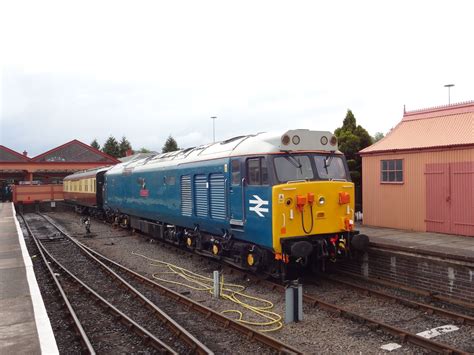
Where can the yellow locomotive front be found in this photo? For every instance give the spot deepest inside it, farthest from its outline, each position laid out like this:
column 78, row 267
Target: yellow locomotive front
column 313, row 202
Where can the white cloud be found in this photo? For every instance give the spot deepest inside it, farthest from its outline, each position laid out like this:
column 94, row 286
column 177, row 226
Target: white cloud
column 147, row 69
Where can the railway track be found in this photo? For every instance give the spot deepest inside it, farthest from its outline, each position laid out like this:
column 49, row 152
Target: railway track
column 429, row 297
column 368, row 291
column 74, row 331
column 398, row 315
column 100, row 324
column 197, row 319
column 402, row 334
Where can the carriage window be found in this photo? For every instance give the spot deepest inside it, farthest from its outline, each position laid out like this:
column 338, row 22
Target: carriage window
column 235, row 172
column 257, row 171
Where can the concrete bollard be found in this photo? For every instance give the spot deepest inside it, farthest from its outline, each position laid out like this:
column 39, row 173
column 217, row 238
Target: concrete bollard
column 294, row 302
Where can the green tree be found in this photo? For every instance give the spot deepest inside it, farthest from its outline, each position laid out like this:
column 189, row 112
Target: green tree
column 170, row 145
column 111, row 147
column 352, row 138
column 124, row 146
column 378, row 136
column 143, row 150
column 95, row 144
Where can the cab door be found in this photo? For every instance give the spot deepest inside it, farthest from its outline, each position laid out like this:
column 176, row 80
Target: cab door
column 258, row 220
column 237, row 194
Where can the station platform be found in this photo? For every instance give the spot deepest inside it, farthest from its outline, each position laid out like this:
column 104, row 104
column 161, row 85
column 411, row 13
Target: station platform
column 24, row 324
column 446, row 246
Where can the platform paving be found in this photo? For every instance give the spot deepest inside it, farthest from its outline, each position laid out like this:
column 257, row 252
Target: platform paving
column 24, row 326
column 437, row 244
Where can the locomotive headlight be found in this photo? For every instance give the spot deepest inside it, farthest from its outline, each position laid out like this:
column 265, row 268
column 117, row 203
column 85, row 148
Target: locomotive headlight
column 285, row 139
column 333, row 140
column 321, row 201
column 296, row 140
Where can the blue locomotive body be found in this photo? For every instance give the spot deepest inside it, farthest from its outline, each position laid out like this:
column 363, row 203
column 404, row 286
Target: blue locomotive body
column 261, row 202
column 193, row 195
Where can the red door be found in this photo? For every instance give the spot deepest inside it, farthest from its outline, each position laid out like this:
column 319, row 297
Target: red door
column 437, row 198
column 450, row 198
column 462, row 198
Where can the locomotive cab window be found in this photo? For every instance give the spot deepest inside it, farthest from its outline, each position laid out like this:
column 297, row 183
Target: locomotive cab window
column 235, row 166
column 293, row 168
column 330, row 167
column 257, row 171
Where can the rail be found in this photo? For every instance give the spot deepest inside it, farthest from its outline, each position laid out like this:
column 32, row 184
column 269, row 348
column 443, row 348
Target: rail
column 180, row 332
column 403, row 335
column 192, row 305
column 77, row 324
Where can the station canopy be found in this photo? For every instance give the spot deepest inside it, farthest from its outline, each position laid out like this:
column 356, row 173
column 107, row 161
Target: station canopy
column 51, row 166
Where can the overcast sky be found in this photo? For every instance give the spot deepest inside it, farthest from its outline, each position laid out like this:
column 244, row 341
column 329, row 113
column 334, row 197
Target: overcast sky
column 85, row 70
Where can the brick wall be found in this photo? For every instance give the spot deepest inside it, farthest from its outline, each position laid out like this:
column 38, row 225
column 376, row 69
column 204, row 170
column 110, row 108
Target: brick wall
column 448, row 278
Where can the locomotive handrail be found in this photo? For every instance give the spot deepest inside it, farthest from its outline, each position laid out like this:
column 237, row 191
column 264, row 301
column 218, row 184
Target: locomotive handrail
column 243, row 199
column 226, row 202
column 293, row 181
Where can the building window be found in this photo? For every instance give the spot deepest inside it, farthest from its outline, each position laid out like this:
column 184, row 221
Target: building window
column 391, row 170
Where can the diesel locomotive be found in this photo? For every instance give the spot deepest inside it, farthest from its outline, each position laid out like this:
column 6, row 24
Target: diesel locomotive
column 264, row 202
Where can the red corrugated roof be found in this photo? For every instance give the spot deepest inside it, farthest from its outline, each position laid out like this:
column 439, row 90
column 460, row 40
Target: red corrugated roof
column 437, row 127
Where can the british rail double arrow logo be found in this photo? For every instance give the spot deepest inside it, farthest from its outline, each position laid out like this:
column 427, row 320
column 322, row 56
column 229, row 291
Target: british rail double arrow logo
column 258, row 209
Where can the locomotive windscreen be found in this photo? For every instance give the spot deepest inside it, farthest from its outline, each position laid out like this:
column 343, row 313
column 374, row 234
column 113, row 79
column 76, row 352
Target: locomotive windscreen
column 296, row 167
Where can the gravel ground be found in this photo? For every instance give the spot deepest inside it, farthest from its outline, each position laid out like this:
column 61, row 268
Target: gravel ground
column 196, row 323
column 408, row 295
column 319, row 332
column 395, row 314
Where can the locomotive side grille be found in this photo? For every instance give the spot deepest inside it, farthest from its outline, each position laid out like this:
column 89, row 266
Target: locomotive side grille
column 200, row 195
column 186, row 196
column 218, row 203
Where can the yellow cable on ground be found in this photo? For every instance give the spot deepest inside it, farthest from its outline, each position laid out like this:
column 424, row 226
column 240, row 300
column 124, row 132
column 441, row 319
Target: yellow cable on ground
column 231, row 292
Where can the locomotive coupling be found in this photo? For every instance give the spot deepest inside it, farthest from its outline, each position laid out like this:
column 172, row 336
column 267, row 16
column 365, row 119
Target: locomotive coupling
column 360, row 242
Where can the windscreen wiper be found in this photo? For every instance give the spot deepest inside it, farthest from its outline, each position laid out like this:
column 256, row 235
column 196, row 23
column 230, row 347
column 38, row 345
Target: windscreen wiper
column 328, row 160
column 293, row 160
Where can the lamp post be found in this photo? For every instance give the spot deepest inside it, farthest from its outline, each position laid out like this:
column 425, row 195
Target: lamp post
column 449, row 86
column 213, row 118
